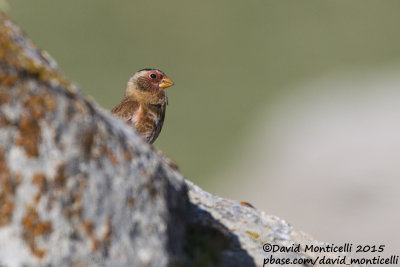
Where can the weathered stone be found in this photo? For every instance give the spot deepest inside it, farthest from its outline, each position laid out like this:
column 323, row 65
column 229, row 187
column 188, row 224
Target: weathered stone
column 78, row 187
column 243, row 231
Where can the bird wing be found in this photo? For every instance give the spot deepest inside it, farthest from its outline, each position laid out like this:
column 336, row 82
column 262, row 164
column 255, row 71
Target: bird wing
column 158, row 115
column 126, row 110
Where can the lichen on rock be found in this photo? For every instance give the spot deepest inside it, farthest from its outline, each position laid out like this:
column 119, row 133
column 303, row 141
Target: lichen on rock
column 78, row 187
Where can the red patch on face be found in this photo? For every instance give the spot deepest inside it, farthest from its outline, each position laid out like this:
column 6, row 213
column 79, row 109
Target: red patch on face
column 155, row 75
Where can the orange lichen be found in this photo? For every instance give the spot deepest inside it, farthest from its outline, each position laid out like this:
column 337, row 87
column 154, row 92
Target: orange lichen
column 111, row 156
column 39, row 179
column 4, row 96
column 8, row 184
column 6, row 211
column 29, row 135
column 34, row 228
column 88, row 226
column 20, row 54
column 4, row 121
column 74, row 210
column 39, row 105
column 104, row 241
column 60, row 178
column 127, row 156
column 10, row 79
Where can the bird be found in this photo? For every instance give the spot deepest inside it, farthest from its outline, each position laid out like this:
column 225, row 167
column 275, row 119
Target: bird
column 144, row 103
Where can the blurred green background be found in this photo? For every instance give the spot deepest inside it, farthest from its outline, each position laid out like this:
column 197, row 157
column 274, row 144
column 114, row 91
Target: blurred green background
column 228, row 58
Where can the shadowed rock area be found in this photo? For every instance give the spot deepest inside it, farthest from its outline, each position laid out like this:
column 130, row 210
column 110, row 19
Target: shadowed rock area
column 78, row 187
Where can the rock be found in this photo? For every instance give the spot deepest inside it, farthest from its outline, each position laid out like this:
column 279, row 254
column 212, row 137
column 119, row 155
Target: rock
column 78, row 187
column 243, row 231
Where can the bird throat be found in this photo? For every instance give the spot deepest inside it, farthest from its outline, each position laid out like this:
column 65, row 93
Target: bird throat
column 148, row 97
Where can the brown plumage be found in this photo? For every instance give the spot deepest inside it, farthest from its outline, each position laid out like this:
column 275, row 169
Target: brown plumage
column 143, row 106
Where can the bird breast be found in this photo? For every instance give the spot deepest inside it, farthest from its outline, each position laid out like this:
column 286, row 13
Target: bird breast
column 148, row 121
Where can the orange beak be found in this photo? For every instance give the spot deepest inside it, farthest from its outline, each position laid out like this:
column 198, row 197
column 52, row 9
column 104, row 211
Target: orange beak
column 166, row 82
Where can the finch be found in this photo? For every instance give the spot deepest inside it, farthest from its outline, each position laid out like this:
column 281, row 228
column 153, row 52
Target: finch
column 144, row 103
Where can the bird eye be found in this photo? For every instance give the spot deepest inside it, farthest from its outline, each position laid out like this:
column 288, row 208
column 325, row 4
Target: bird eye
column 153, row 76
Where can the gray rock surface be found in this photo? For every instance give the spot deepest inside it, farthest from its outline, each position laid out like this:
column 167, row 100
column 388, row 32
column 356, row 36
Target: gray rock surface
column 78, row 187
column 247, row 230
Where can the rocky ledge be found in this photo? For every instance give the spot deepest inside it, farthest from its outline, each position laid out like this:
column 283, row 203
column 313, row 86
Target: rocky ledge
column 78, row 187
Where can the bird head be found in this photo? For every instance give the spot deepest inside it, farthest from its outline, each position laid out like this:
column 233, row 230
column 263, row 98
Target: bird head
column 148, row 80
